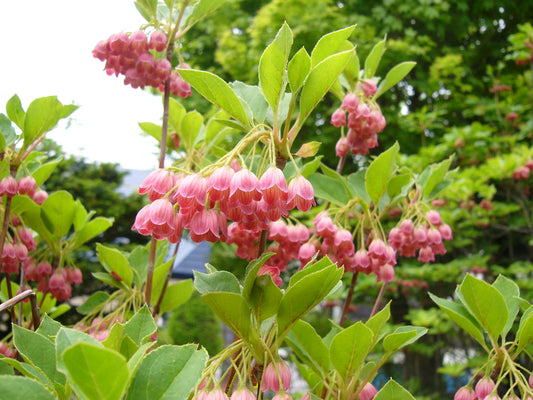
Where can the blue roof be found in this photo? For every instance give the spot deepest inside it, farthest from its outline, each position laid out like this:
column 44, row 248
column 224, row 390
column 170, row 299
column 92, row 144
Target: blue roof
column 191, row 257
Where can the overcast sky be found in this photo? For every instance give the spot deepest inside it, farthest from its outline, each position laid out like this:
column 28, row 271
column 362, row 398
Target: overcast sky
column 47, row 50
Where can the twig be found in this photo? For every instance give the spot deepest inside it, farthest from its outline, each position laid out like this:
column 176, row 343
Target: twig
column 378, row 300
column 21, row 297
column 348, row 300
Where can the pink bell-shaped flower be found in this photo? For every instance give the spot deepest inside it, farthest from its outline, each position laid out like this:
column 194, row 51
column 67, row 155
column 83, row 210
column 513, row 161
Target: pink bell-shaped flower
column 244, row 188
column 301, row 194
column 274, row 372
column 368, row 392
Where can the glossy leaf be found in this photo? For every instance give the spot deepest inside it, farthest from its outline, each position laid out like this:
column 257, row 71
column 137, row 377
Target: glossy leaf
column 460, row 315
column 298, row 68
column 349, row 349
column 216, row 91
column 37, row 350
column 19, row 387
column 272, row 67
column 304, row 295
column 90, row 230
column 329, row 189
column 309, row 347
column 15, row 112
column 114, row 260
column 511, row 292
column 329, row 44
column 525, row 330
column 57, row 213
column 220, row 281
column 42, row 115
column 373, row 59
column 393, row 391
column 67, row 337
column 378, row 321
column 175, row 295
column 96, row 300
column 96, row 373
column 395, row 75
column 486, row 304
column 169, row 372
column 232, row 309
column 403, row 336
column 141, row 326
column 318, row 82
column 379, row 173
column 190, row 128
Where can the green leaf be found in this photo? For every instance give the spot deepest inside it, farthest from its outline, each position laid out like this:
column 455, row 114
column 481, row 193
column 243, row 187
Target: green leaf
column 49, row 327
column 138, row 260
column 460, row 315
column 7, row 132
column 96, row 373
column 393, row 391
column 19, row 387
column 232, row 309
column 349, row 349
column 324, row 262
column 169, row 372
column 329, row 189
column 190, row 128
column 486, row 304
column 128, row 347
column 216, row 91
column 329, row 44
column 42, row 115
column 511, row 292
column 67, row 337
column 37, row 350
column 433, row 176
column 253, row 97
column 265, row 297
column 309, row 347
column 398, row 186
column 114, row 260
column 373, row 59
column 175, row 295
column 5, row 368
column 304, row 295
column 272, row 67
column 318, row 82
column 202, row 9
column 525, row 330
column 43, row 172
column 90, row 230
column 115, row 337
column 15, row 112
column 298, row 68
column 27, row 370
column 147, row 8
column 403, row 336
column 356, row 181
column 395, row 75
column 378, row 321
column 220, row 281
column 57, row 213
column 379, row 173
column 141, row 326
column 97, row 299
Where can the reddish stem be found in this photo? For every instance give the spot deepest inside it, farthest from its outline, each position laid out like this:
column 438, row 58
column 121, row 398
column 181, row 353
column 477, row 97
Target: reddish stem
column 348, row 300
column 378, row 300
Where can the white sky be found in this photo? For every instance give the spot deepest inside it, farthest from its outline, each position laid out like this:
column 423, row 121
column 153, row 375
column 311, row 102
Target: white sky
column 46, row 48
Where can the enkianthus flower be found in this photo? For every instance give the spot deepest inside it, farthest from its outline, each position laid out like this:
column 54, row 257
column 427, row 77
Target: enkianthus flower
column 271, row 379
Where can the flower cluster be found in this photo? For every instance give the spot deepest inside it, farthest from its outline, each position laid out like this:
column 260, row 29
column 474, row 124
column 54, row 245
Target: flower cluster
column 276, row 377
column 365, row 121
column 426, row 239
column 141, row 61
column 522, row 173
column 203, row 205
column 10, row 187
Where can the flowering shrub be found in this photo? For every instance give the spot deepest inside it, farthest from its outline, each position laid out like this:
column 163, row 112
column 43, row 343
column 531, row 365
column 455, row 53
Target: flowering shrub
column 237, row 179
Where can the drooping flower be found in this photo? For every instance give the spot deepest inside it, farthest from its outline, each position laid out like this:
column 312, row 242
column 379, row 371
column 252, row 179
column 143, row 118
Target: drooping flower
column 484, row 387
column 301, row 194
column 244, row 188
column 368, row 392
column 274, row 372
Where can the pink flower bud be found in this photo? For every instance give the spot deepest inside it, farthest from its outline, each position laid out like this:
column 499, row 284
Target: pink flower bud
column 368, row 392
column 465, row 393
column 338, row 118
column 9, row 186
column 484, row 387
column 433, row 217
column 271, row 379
column 350, row 102
column 27, row 186
column 40, row 196
column 138, row 42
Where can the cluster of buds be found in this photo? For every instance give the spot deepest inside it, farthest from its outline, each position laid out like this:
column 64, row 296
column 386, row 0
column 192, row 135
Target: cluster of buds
column 276, row 377
column 10, row 187
column 59, row 284
column 203, row 205
column 486, row 389
column 523, row 172
column 426, row 239
column 365, row 121
column 141, row 60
